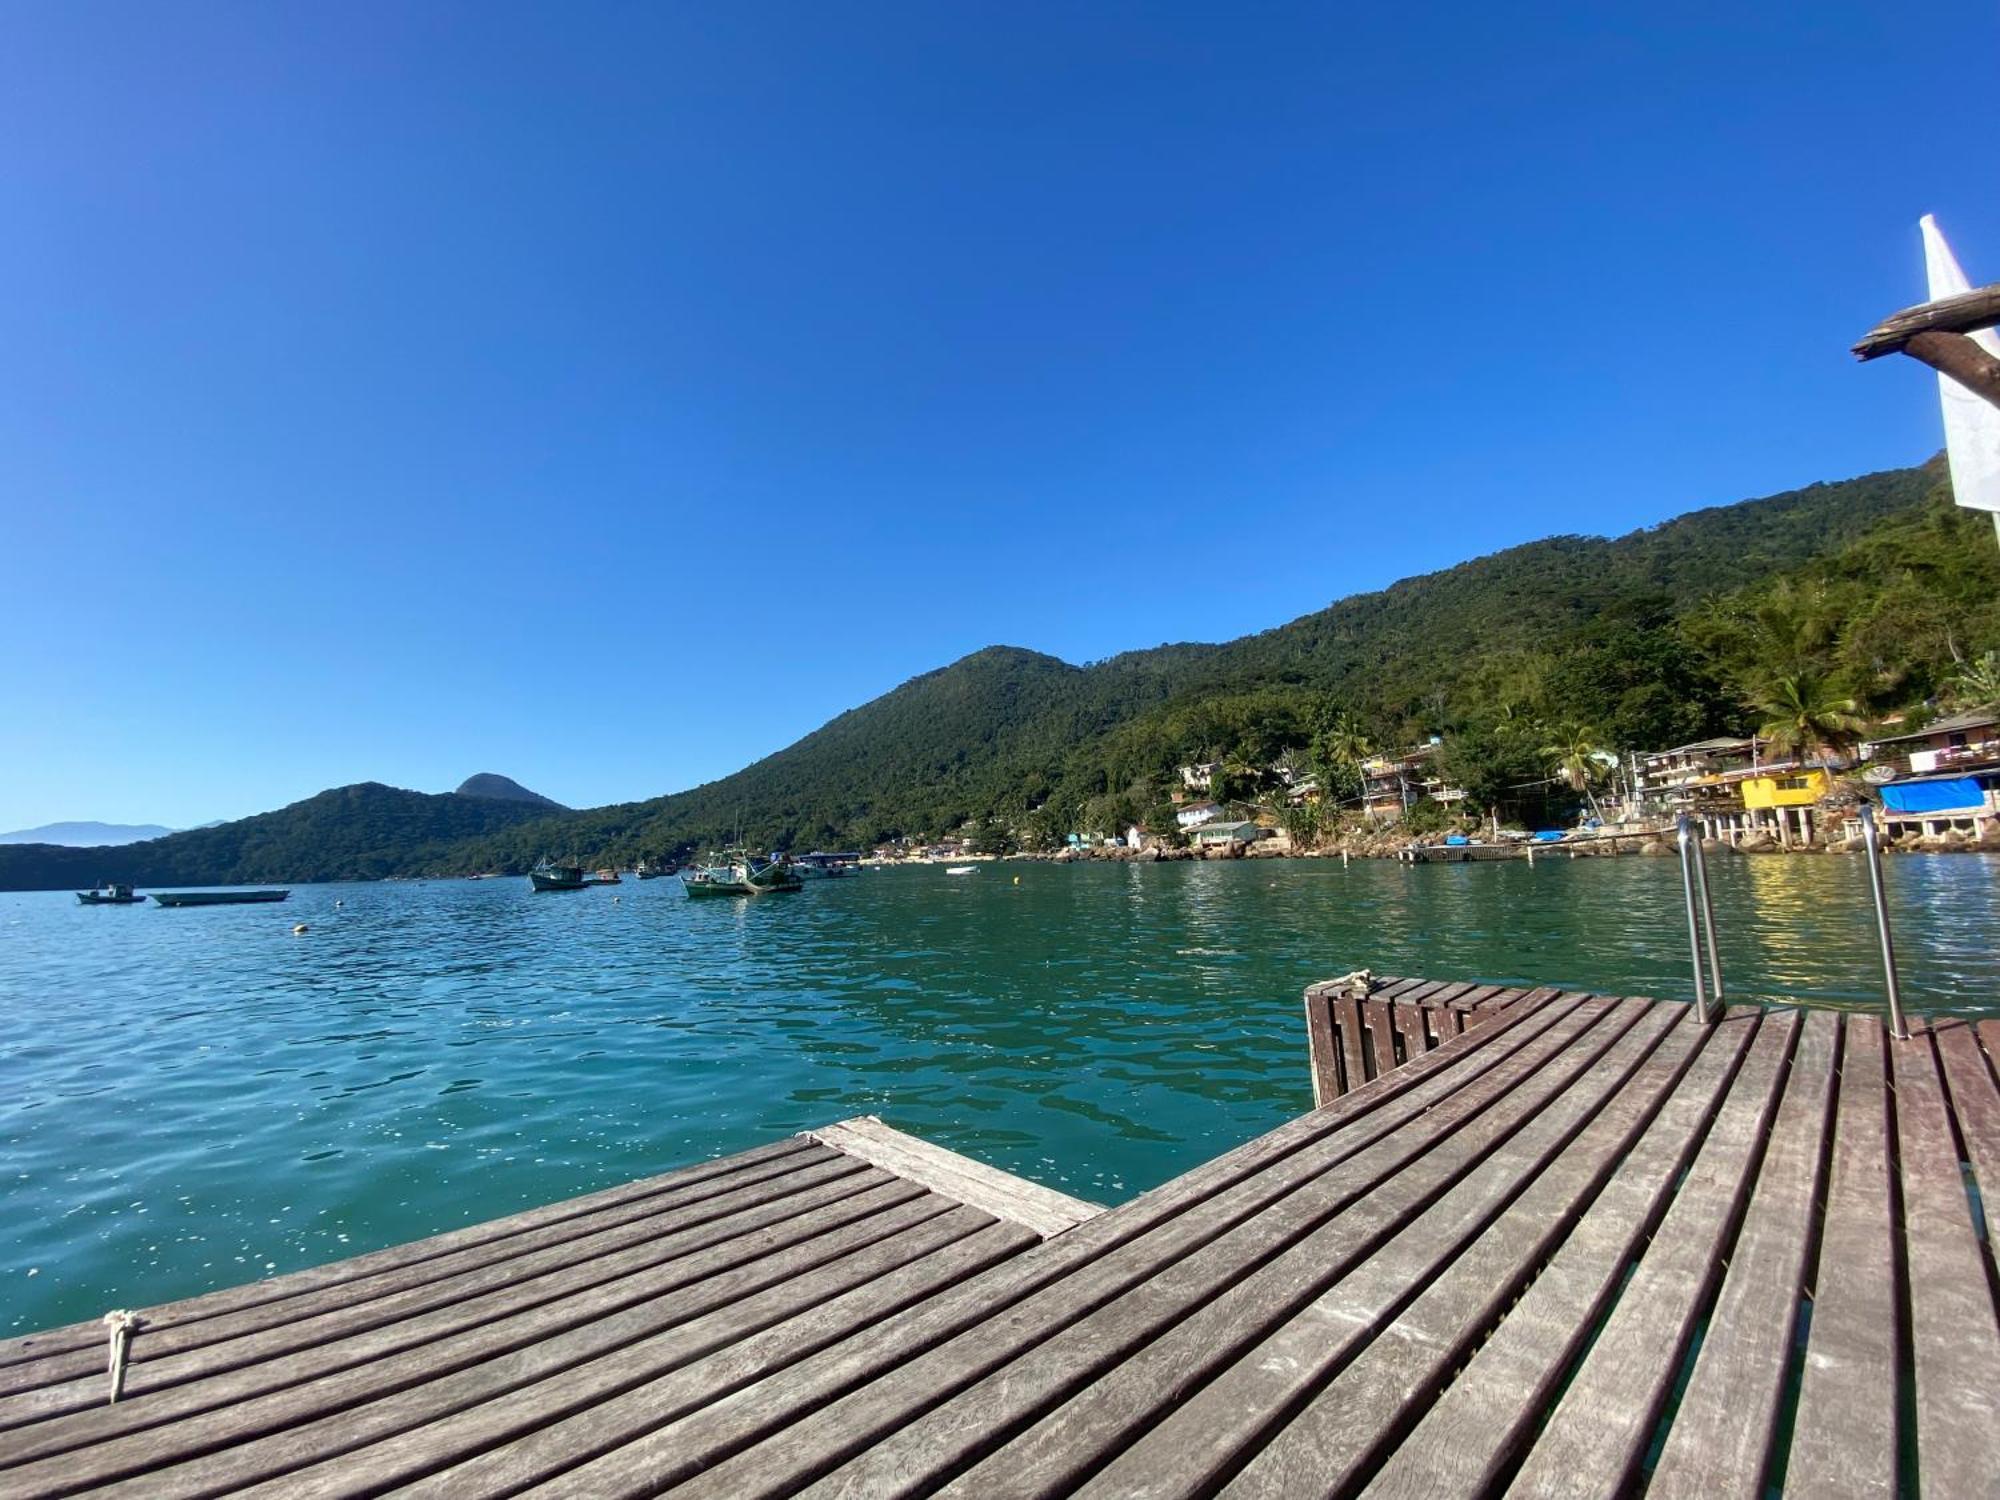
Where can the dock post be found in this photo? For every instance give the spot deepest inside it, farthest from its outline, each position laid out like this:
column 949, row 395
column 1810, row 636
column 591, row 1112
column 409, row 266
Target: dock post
column 1707, row 923
column 1701, row 1014
column 1898, row 1028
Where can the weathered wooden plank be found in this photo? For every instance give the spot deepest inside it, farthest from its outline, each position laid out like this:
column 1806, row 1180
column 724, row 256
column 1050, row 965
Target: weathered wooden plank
column 1347, row 1021
column 680, row 1183
column 565, row 1406
column 1381, row 1035
column 1410, row 1024
column 554, row 1331
column 1600, row 1428
column 1322, row 1047
column 170, row 1383
column 973, row 1183
column 1721, row 1439
column 1954, row 1338
column 1160, row 1227
column 1333, row 1440
column 1965, row 313
column 1184, row 1406
column 1975, row 1104
column 1474, row 1428
column 604, row 1451
column 956, row 1398
column 1844, row 1437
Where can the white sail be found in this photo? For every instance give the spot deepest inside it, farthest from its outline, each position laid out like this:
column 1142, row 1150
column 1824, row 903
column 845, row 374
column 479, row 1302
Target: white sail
column 1971, row 423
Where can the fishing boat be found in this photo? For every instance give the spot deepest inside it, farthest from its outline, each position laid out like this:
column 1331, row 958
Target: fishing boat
column 552, row 877
column 736, row 873
column 110, row 895
column 649, row 871
column 216, row 898
column 605, row 877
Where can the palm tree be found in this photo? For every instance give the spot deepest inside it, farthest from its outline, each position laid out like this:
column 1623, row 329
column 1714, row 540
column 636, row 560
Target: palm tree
column 1337, row 753
column 1807, row 714
column 1976, row 684
column 1579, row 762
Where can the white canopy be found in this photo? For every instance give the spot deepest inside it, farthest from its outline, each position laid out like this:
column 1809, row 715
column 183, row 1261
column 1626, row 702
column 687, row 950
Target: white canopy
column 1971, row 423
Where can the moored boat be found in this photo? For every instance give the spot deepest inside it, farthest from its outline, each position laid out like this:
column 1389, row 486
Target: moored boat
column 820, row 865
column 735, row 873
column 109, row 895
column 649, row 871
column 216, row 898
column 963, row 870
column 605, row 877
column 553, row 877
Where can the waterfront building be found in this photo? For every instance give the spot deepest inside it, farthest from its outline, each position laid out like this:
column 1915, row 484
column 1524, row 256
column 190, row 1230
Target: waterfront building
column 1198, row 813
column 1962, row 742
column 1393, row 783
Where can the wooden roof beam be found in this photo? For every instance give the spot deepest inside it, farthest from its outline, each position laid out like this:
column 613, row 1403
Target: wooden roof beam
column 1961, row 314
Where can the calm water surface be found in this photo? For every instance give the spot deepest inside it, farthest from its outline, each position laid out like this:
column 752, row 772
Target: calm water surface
column 194, row 1098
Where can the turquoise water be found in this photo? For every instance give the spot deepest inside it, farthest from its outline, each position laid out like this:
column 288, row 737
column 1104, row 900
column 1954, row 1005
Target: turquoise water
column 194, row 1098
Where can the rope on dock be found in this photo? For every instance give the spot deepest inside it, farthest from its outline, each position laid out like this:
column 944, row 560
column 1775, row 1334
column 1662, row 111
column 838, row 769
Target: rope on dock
column 121, row 1323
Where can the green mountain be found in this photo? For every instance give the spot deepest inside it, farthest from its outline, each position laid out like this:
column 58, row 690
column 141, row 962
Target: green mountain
column 1654, row 638
column 358, row 832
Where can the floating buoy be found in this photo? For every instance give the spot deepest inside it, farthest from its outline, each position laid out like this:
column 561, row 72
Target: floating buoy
column 1017, row 880
column 616, row 899
column 338, row 902
column 298, row 929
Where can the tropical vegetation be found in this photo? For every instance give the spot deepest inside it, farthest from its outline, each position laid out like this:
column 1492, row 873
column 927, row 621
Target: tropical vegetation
column 1537, row 669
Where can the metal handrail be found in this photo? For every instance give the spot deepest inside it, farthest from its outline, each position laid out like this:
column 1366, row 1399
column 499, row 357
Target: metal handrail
column 1690, row 863
column 1871, row 842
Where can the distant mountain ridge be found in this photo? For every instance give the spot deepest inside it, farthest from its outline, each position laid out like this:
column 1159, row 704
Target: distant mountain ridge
column 86, row 834
column 1006, row 731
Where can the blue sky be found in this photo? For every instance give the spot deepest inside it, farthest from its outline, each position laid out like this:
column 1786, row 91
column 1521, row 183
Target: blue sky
column 607, row 395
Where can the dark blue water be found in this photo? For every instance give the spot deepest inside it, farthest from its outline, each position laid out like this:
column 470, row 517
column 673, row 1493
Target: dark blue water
column 194, row 1098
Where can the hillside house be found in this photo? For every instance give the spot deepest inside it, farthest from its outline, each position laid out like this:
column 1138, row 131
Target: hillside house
column 1199, row 778
column 1196, row 814
column 1391, row 784
column 1962, row 742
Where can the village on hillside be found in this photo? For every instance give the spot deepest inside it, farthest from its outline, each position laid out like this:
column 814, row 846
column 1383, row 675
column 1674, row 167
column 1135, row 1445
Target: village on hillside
column 1935, row 786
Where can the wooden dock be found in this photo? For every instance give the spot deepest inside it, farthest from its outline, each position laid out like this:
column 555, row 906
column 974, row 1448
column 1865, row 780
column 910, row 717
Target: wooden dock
column 1582, row 1247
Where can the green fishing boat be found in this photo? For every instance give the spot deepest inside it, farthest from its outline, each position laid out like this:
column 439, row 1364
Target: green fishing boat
column 737, row 873
column 553, row 877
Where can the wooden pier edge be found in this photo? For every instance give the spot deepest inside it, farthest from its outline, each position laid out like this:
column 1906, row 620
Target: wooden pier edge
column 1001, row 1194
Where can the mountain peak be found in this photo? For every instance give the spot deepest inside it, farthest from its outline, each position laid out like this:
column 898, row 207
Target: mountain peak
column 499, row 788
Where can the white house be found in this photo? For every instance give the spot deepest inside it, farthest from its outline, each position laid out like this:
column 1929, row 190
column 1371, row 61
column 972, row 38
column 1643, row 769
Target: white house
column 1196, row 814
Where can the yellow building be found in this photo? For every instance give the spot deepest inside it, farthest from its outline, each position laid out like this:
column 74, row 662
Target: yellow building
column 1801, row 789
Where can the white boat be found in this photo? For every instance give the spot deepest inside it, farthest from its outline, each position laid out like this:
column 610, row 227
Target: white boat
column 963, row 870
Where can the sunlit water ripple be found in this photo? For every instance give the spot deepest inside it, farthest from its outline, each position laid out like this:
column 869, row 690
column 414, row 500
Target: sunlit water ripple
column 194, row 1098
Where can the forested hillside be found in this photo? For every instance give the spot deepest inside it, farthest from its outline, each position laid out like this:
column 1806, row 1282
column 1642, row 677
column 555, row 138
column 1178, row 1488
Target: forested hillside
column 360, row 832
column 1874, row 591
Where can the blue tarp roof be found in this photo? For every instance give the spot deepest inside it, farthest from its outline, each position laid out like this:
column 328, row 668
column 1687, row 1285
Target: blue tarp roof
column 1947, row 794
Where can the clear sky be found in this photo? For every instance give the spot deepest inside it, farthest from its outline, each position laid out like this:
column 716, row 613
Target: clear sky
column 608, row 394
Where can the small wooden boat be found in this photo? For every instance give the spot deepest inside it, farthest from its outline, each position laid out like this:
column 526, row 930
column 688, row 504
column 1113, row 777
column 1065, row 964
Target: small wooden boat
column 552, row 877
column 605, row 877
column 216, row 898
column 110, row 895
column 735, row 873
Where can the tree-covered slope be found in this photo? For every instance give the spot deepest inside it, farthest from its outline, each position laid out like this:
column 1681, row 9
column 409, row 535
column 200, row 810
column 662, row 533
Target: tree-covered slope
column 1644, row 639
column 358, row 832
